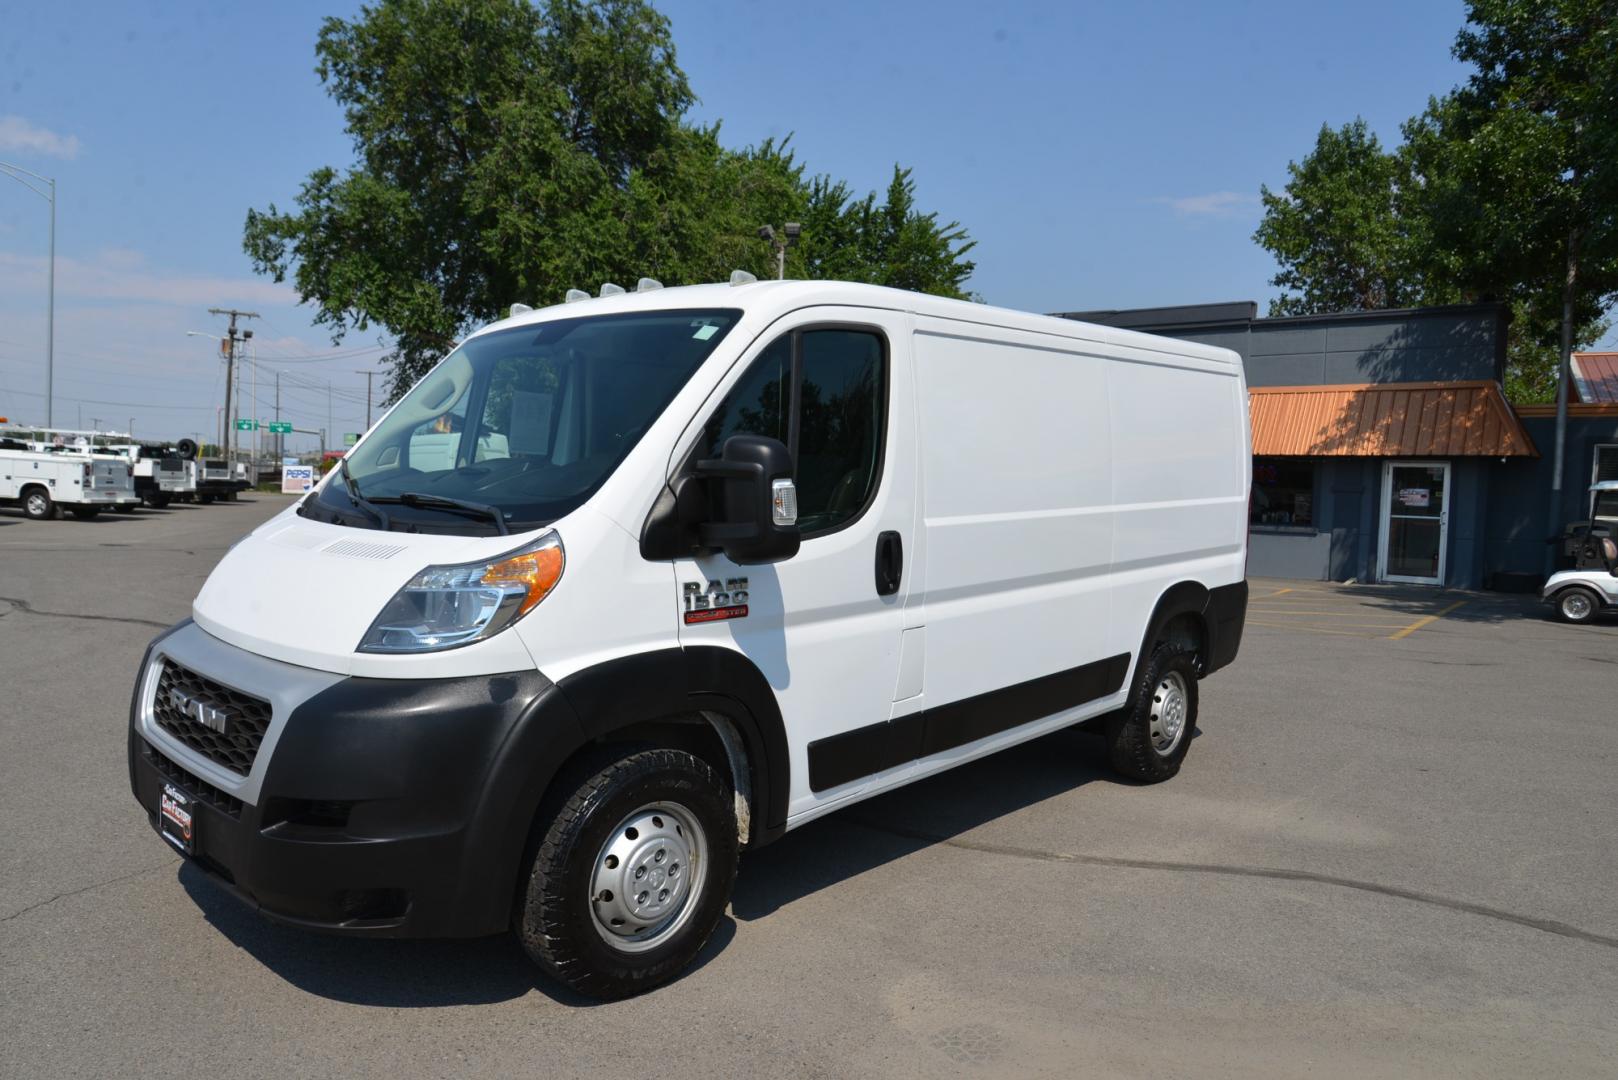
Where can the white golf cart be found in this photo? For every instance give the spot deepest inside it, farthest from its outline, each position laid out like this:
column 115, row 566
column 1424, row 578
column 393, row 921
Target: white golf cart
column 1590, row 586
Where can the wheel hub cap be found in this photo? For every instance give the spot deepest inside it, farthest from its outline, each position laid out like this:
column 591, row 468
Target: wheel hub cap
column 646, row 876
column 1169, row 707
column 1576, row 606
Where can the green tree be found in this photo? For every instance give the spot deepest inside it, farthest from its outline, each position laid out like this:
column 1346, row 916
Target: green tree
column 1336, row 228
column 510, row 151
column 1504, row 189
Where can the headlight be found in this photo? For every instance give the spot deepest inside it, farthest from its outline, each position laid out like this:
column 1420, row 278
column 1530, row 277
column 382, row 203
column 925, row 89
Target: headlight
column 446, row 606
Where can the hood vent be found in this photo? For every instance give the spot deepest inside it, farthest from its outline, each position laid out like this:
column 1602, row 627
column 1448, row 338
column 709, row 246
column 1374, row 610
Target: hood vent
column 358, row 549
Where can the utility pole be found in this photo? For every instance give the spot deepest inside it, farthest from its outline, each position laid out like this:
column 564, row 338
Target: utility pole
column 230, row 371
column 367, row 375
column 49, row 195
column 280, row 443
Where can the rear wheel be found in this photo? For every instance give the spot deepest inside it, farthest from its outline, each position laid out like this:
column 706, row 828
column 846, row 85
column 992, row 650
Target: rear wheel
column 632, row 874
column 1148, row 739
column 205, row 500
column 37, row 504
column 126, row 508
column 1577, row 605
column 84, row 513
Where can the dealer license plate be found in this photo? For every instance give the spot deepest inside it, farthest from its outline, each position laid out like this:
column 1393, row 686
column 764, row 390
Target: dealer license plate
column 174, row 819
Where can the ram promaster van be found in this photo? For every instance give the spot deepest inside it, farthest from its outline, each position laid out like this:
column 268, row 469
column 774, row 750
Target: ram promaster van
column 629, row 584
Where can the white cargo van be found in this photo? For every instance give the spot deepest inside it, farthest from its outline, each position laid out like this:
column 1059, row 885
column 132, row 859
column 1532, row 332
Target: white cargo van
column 696, row 566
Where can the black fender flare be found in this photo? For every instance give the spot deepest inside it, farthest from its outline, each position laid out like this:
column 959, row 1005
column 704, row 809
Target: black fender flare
column 593, row 703
column 1221, row 610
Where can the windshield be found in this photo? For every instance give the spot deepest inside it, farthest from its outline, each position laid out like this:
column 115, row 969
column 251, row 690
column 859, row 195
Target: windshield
column 529, row 421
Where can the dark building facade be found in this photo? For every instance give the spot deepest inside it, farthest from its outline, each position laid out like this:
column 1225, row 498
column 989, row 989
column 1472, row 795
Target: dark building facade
column 1384, row 448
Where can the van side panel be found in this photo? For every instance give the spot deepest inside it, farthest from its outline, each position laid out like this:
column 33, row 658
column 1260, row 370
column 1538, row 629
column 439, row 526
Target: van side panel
column 1016, row 447
column 1180, row 475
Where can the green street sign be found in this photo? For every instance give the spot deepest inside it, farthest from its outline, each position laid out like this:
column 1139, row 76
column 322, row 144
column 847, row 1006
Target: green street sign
column 280, row 427
column 351, row 438
column 246, row 425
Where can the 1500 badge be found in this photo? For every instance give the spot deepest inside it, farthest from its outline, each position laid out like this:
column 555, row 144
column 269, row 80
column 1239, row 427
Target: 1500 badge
column 715, row 601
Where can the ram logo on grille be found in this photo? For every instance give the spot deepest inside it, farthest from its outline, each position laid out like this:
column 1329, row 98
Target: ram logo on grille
column 209, row 716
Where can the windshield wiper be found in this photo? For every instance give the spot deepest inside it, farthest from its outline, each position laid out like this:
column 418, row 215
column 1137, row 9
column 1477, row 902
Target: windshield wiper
column 360, row 500
column 444, row 502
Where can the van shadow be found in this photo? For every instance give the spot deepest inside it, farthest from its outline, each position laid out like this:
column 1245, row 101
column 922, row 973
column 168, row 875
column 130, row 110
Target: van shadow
column 393, row 973
column 847, row 843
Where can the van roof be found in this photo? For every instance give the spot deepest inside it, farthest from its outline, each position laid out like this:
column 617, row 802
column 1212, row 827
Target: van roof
column 774, row 298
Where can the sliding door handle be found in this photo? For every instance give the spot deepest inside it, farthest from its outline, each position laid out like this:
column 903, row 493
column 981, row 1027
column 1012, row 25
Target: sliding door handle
column 890, row 561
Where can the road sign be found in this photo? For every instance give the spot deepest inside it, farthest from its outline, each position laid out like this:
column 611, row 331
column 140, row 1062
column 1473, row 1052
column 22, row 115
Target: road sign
column 350, row 438
column 244, row 424
column 280, row 427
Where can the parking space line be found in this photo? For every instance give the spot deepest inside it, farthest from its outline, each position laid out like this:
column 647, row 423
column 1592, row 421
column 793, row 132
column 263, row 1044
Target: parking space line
column 1425, row 621
column 1310, row 629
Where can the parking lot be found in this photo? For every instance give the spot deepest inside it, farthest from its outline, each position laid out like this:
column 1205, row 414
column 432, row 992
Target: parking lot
column 1392, row 852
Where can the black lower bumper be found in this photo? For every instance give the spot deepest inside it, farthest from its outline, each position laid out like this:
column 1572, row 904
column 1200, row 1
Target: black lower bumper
column 389, row 807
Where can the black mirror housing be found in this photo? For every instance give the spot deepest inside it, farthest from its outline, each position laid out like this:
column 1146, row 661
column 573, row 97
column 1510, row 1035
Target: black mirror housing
column 753, row 503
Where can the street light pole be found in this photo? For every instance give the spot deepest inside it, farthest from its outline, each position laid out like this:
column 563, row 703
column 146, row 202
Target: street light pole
column 50, row 295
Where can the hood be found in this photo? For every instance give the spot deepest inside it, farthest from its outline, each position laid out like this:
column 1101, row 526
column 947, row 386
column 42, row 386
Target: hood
column 305, row 592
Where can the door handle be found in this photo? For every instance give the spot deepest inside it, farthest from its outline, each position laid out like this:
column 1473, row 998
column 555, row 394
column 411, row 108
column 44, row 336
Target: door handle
column 890, row 559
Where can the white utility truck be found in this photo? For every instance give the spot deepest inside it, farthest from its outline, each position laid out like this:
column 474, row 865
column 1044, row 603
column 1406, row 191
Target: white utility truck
column 162, row 474
column 74, row 479
column 626, row 585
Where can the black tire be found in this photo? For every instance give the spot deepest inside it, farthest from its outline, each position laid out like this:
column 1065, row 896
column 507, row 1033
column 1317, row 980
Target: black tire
column 37, row 503
column 158, row 502
column 85, row 513
column 557, row 918
column 126, row 508
column 1137, row 745
column 205, row 500
column 1583, row 602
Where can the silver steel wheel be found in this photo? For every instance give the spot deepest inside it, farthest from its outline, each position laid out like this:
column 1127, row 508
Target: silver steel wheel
column 1576, row 606
column 38, row 504
column 1170, row 703
column 648, row 877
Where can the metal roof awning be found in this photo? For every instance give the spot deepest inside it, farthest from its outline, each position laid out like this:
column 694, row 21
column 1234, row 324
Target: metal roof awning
column 1438, row 419
column 1595, row 377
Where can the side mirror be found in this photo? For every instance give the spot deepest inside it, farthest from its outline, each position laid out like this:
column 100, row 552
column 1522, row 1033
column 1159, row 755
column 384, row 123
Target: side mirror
column 753, row 501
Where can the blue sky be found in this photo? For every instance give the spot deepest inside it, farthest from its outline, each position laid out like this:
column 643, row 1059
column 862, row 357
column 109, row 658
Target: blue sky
column 1104, row 155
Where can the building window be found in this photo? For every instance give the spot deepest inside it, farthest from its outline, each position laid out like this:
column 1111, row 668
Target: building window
column 1283, row 492
column 1605, row 466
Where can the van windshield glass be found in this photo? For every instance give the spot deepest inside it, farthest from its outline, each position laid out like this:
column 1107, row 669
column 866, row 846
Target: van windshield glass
column 528, row 421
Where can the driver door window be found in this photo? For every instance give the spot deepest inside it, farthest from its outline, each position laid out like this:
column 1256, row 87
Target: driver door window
column 822, row 392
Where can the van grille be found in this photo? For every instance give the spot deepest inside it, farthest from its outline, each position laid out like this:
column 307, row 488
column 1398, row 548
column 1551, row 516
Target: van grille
column 182, row 693
column 191, row 784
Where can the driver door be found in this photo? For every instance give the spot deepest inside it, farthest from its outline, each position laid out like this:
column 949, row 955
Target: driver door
column 824, row 626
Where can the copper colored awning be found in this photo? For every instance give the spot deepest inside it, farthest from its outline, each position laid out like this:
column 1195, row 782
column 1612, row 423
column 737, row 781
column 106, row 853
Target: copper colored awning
column 1445, row 419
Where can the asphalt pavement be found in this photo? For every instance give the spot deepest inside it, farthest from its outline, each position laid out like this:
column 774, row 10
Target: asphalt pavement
column 1391, row 853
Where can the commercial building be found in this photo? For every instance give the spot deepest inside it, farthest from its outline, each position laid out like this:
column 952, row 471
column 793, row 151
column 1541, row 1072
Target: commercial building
column 1383, row 445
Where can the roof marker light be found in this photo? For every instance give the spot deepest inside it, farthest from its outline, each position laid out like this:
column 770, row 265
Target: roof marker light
column 575, row 295
column 741, row 277
column 520, row 309
column 647, row 284
column 609, row 289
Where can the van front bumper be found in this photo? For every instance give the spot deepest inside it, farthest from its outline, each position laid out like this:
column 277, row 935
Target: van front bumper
column 374, row 806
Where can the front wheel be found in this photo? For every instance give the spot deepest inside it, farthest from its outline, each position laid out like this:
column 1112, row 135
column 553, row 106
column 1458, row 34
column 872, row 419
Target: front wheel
column 1148, row 739
column 1577, row 605
column 632, row 874
column 37, row 504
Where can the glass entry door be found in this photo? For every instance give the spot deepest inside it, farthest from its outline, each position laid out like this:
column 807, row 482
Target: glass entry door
column 1415, row 521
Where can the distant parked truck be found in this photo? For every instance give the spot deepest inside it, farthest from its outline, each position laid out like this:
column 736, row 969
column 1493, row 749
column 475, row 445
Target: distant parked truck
column 81, row 483
column 162, row 474
column 217, row 479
